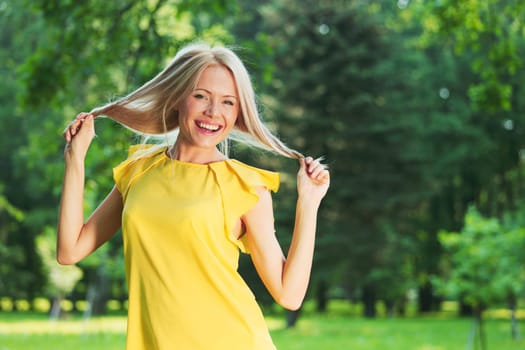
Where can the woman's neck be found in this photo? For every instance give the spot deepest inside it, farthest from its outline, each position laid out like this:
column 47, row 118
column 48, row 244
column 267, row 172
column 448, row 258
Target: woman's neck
column 189, row 154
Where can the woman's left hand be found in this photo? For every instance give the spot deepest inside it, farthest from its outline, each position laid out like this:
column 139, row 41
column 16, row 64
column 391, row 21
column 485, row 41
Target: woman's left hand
column 313, row 179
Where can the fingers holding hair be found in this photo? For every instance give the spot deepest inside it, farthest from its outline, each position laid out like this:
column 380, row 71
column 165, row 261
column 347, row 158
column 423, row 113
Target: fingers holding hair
column 74, row 127
column 316, row 170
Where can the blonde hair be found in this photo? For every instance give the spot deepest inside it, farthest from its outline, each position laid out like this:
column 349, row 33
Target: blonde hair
column 152, row 109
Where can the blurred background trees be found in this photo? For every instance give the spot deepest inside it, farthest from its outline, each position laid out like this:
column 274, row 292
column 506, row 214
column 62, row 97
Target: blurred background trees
column 416, row 107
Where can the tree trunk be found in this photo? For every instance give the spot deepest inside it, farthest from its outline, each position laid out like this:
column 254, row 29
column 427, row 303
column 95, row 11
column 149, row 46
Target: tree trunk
column 426, row 298
column 102, row 295
column 465, row 309
column 513, row 321
column 369, row 301
column 322, row 296
column 472, row 335
column 56, row 309
column 482, row 338
column 402, row 308
column 292, row 317
column 390, row 307
column 97, row 293
column 477, row 333
column 14, row 306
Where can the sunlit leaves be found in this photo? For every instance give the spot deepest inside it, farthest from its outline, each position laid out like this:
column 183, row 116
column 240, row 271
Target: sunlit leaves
column 63, row 57
column 493, row 32
column 484, row 264
column 61, row 279
column 94, row 38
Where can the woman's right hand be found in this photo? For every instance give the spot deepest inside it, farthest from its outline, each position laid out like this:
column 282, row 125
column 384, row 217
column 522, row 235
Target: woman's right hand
column 78, row 135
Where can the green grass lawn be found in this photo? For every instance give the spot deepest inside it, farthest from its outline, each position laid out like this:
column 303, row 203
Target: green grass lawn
column 21, row 331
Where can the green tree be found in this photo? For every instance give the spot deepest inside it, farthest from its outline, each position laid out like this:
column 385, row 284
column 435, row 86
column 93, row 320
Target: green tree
column 474, row 46
column 490, row 35
column 491, row 31
column 20, row 265
column 72, row 56
column 60, row 279
column 11, row 278
column 483, row 265
column 342, row 88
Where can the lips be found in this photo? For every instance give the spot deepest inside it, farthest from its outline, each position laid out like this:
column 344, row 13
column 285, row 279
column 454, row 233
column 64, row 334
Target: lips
column 207, row 126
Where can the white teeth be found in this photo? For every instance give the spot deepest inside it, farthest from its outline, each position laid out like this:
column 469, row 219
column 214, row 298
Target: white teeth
column 208, row 126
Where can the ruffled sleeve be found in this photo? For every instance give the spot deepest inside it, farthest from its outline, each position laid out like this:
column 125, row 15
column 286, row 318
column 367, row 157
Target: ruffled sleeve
column 140, row 159
column 238, row 183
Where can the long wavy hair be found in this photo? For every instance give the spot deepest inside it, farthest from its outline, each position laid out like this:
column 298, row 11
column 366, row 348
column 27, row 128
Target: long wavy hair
column 152, row 109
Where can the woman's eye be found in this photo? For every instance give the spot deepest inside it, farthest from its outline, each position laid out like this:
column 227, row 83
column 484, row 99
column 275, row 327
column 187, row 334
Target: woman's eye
column 229, row 102
column 199, row 96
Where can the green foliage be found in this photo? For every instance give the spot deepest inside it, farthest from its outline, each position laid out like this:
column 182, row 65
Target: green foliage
column 8, row 209
column 350, row 85
column 21, row 272
column 63, row 57
column 111, row 46
column 384, row 92
column 61, row 279
column 484, row 264
column 12, row 257
column 12, row 275
column 480, row 42
column 493, row 32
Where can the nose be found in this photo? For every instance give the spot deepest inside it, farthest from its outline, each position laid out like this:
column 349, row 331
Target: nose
column 213, row 108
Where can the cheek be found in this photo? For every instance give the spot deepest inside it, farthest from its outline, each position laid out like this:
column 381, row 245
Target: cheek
column 191, row 106
column 185, row 111
column 234, row 118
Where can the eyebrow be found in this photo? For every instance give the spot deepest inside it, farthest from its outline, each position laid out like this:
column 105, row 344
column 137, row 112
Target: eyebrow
column 208, row 91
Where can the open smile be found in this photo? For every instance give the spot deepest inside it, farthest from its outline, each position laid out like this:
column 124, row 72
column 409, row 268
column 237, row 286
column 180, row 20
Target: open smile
column 207, row 127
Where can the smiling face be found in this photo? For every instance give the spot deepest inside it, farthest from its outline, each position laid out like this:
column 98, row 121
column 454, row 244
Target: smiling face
column 208, row 114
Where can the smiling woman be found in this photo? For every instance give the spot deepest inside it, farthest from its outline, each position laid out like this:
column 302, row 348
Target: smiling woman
column 154, row 107
column 207, row 116
column 187, row 210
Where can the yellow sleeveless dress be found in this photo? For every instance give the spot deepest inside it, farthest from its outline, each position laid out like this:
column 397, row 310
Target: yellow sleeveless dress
column 181, row 258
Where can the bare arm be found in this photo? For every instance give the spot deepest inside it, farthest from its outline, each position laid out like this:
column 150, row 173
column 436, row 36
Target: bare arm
column 287, row 278
column 76, row 239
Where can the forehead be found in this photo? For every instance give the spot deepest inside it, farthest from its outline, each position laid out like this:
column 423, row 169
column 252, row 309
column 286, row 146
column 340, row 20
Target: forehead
column 217, row 79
